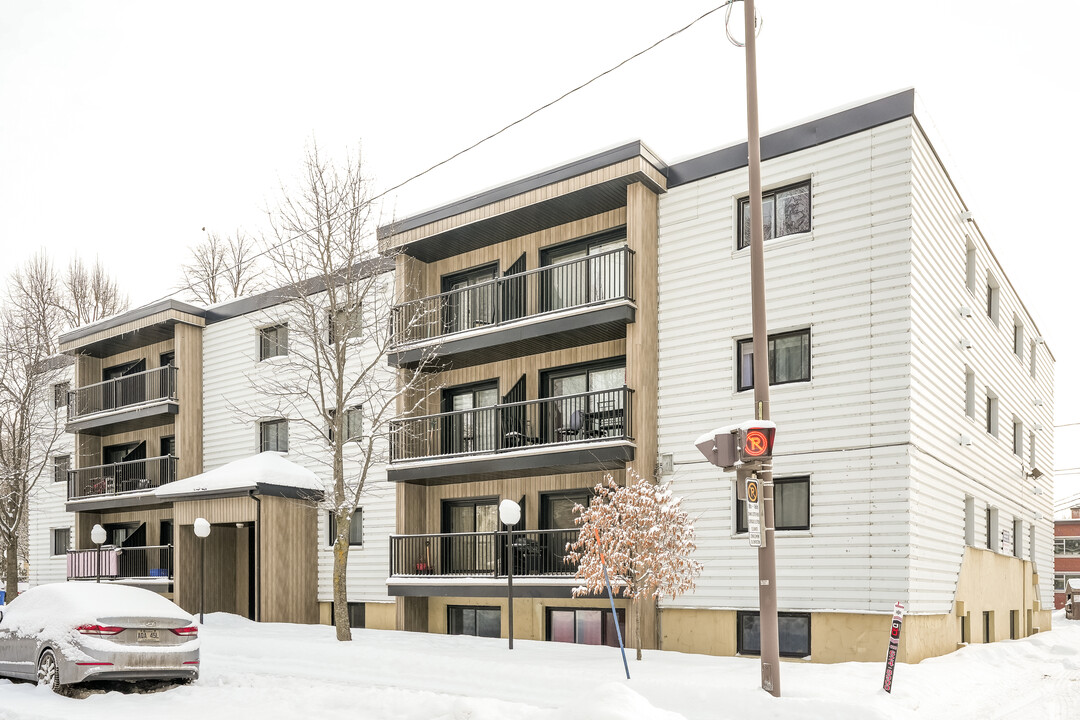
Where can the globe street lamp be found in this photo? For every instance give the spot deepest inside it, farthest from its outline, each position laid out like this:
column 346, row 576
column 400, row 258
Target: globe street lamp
column 98, row 535
column 202, row 529
column 510, row 514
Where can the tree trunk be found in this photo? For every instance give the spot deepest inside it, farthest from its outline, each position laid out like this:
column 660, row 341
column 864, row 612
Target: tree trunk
column 341, row 564
column 638, row 604
column 11, row 568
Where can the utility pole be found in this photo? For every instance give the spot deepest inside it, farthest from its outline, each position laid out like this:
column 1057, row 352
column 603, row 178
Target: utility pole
column 770, row 635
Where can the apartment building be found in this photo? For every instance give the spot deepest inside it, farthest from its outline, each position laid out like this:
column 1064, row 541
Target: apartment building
column 911, row 388
column 166, row 426
column 595, row 318
column 1066, row 547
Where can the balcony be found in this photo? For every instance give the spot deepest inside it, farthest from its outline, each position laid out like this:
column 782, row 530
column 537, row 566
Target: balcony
column 577, row 302
column 131, row 402
column 154, row 562
column 569, row 433
column 114, row 479
column 438, row 563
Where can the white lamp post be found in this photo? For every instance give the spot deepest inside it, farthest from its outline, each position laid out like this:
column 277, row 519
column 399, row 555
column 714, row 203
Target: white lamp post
column 202, row 530
column 98, row 535
column 510, row 514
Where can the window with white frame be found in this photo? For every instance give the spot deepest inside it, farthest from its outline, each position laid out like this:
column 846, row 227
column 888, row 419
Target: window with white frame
column 352, row 425
column 991, row 413
column 60, row 541
column 274, row 436
column 992, row 298
column 1018, row 538
column 1018, row 338
column 969, row 520
column 1033, row 357
column 993, row 541
column 1031, row 449
column 1018, row 437
column 972, row 278
column 784, row 211
column 789, row 359
column 273, row 341
column 344, row 324
column 60, row 394
column 61, row 465
column 1067, row 546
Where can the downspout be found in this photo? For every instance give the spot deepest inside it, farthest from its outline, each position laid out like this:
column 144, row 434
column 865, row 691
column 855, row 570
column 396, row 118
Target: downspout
column 258, row 556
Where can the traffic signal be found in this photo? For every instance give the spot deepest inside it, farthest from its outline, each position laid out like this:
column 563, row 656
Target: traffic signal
column 755, row 443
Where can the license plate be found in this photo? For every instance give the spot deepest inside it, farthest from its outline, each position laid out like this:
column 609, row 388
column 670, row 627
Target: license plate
column 147, row 636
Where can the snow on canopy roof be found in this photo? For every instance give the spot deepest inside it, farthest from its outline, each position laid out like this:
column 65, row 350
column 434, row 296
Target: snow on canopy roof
column 266, row 468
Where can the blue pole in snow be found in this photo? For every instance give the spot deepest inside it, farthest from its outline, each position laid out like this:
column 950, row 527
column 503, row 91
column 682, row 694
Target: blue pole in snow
column 615, row 616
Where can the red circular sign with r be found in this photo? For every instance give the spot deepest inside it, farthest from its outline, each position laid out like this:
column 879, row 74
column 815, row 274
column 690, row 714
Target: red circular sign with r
column 755, row 444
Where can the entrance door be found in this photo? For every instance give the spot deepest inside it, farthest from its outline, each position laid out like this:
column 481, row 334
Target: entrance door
column 474, row 553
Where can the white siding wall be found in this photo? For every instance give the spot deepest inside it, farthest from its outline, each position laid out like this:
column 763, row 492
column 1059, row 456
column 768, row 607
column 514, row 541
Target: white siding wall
column 47, row 513
column 987, row 469
column 231, row 411
column 849, row 281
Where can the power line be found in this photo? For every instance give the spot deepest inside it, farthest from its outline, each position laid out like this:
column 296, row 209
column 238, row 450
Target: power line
column 478, row 143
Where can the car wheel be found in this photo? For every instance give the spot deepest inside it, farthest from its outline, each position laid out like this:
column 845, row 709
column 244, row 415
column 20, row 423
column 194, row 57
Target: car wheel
column 47, row 671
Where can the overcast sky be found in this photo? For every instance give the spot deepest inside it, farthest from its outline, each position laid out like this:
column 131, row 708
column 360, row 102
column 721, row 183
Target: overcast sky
column 132, row 125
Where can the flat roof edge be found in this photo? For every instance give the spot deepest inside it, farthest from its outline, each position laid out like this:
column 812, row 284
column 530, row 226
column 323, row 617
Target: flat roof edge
column 130, row 316
column 581, row 166
column 798, row 137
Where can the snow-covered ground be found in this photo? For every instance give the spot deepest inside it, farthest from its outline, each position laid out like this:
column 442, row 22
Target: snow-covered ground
column 277, row 670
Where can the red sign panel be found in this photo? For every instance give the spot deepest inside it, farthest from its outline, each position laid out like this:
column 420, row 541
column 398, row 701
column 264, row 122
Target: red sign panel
column 755, row 444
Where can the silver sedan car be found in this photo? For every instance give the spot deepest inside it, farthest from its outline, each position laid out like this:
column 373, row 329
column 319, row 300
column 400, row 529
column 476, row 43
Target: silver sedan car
column 67, row 633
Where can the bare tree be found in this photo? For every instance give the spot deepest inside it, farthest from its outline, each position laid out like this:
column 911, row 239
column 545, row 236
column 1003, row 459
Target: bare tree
column 223, row 268
column 30, row 418
column 333, row 378
column 646, row 539
column 89, row 294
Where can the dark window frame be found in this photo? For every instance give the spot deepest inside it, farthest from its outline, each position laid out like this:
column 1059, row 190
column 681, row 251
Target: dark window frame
column 273, row 341
column 357, row 614
column 331, row 536
column 742, row 648
column 741, row 382
column 742, row 241
column 604, row 614
column 53, row 544
column 264, row 440
column 61, row 475
column 354, row 416
column 740, row 505
column 451, row 609
column 578, row 494
column 60, row 394
column 586, row 368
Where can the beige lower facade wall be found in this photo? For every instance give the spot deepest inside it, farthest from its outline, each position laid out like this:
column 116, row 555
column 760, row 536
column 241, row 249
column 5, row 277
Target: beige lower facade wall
column 530, row 614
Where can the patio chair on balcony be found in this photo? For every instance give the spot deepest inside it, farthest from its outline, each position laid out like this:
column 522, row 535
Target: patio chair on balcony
column 573, row 429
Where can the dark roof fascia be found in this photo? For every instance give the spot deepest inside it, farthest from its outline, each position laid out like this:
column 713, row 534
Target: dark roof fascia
column 262, row 489
column 800, row 137
column 517, row 187
column 131, row 316
column 270, row 298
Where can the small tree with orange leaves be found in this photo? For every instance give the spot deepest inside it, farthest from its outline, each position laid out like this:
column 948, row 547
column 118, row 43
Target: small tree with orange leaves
column 645, row 537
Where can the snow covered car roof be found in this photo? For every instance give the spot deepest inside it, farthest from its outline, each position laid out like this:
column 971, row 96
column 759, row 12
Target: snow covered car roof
column 64, row 606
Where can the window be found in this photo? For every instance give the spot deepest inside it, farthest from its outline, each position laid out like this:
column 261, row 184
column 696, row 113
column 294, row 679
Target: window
column 1017, row 538
column 344, row 324
column 992, row 292
column 1033, row 357
column 992, row 541
column 964, row 619
column 969, row 393
column 587, row 271
column 991, row 413
column 356, row 528
column 794, row 631
column 987, row 626
column 61, row 465
column 357, row 614
column 594, row 404
column 477, row 621
column 273, row 341
column 1013, row 623
column 789, row 359
column 1018, row 438
column 972, row 279
column 353, row 425
column 60, row 394
column 467, row 427
column 1067, row 546
column 969, row 520
column 791, row 509
column 1018, row 338
column 274, row 436
column 1031, row 449
column 469, row 299
column 784, row 211
column 60, row 538
column 584, row 626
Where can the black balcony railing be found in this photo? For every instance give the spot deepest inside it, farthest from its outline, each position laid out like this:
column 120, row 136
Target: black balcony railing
column 601, row 415
column 155, row 561
column 121, row 477
column 604, row 277
column 122, row 392
column 482, row 554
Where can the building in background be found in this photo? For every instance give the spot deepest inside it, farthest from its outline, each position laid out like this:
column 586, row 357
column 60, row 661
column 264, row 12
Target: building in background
column 1066, row 547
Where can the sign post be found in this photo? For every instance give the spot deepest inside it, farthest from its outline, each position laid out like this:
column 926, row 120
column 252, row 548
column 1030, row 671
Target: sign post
column 894, row 644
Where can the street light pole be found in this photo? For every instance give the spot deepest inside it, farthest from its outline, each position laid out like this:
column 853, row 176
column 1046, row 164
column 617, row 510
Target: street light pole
column 510, row 514
column 98, row 536
column 769, row 625
column 202, row 530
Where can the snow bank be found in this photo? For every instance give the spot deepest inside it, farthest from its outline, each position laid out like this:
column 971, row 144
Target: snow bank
column 267, row 468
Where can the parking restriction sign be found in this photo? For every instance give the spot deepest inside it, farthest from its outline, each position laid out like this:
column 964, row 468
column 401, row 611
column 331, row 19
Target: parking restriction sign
column 753, row 512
